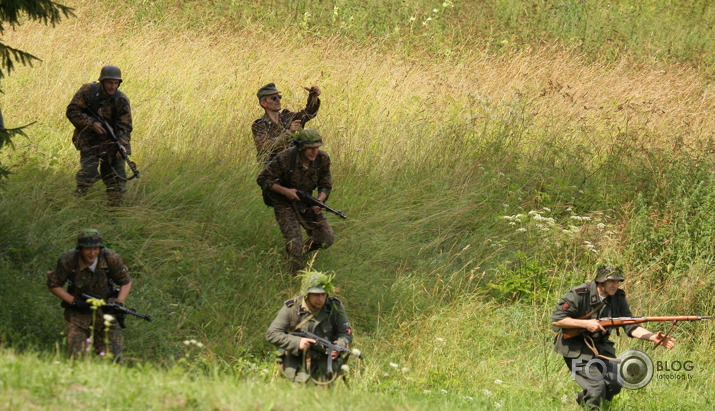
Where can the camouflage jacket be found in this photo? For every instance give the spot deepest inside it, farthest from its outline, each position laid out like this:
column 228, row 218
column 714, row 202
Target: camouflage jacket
column 278, row 171
column 272, row 138
column 114, row 109
column 580, row 301
column 331, row 322
column 110, row 271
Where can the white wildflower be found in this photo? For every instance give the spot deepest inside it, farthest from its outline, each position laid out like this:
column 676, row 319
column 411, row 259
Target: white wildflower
column 440, row 339
column 108, row 317
column 487, row 392
column 443, row 391
column 427, row 391
column 498, row 405
column 547, row 209
column 498, row 381
column 393, row 365
column 520, row 230
column 405, row 369
column 601, row 226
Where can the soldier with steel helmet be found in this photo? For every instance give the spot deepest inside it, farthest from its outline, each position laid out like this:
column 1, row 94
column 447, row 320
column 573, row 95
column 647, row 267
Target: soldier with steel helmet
column 92, row 269
column 272, row 132
column 306, row 168
column 580, row 308
column 317, row 312
column 99, row 156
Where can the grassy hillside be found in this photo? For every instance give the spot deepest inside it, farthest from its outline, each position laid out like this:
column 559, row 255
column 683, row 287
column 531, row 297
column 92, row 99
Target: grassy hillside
column 488, row 159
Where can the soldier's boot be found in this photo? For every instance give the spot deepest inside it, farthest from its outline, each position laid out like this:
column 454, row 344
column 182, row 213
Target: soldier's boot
column 115, row 197
column 80, row 191
column 579, row 397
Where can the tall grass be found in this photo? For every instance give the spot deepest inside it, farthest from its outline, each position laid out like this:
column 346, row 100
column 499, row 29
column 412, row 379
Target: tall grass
column 430, row 155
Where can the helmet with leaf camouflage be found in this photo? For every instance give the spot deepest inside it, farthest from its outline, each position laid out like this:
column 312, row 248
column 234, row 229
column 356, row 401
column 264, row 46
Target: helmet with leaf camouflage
column 315, row 282
column 307, row 139
column 605, row 273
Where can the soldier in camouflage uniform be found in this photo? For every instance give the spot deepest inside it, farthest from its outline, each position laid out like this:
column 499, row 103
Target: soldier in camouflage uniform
column 302, row 167
column 317, row 312
column 92, row 269
column 272, row 132
column 580, row 308
column 91, row 139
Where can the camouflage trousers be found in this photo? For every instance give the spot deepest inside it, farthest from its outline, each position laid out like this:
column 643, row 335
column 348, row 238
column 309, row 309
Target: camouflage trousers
column 107, row 167
column 320, row 234
column 80, row 339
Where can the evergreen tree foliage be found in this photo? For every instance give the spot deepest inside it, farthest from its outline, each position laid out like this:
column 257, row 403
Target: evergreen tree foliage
column 11, row 13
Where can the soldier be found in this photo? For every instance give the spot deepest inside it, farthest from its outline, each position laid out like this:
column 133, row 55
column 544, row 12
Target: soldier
column 317, row 312
column 272, row 132
column 580, row 308
column 302, row 167
column 92, row 269
column 96, row 147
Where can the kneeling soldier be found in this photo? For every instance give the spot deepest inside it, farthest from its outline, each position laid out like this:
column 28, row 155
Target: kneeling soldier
column 316, row 312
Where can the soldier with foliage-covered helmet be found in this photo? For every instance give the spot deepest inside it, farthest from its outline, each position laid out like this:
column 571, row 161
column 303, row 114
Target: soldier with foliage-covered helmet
column 99, row 155
column 580, row 308
column 316, row 311
column 303, row 167
column 272, row 132
column 90, row 268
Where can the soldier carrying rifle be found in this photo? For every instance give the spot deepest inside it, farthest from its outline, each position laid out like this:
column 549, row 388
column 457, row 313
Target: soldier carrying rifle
column 100, row 112
column 318, row 314
column 303, row 167
column 580, row 309
column 92, row 269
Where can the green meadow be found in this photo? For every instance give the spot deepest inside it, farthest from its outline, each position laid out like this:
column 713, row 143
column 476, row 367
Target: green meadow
column 489, row 155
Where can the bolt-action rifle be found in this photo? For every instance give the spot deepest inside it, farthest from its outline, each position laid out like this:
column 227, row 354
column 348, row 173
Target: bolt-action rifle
column 120, row 147
column 120, row 311
column 329, row 347
column 312, row 201
column 620, row 321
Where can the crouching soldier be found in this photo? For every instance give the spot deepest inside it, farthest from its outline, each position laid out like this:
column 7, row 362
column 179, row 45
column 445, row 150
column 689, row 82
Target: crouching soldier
column 316, row 312
column 90, row 269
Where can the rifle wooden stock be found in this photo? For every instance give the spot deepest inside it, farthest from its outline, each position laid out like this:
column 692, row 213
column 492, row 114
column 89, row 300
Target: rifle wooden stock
column 621, row 321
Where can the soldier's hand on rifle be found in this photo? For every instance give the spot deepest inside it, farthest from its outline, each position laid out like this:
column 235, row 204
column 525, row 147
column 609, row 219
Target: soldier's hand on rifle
column 305, row 343
column 290, row 193
column 97, row 127
column 593, row 326
column 334, row 354
column 294, row 126
column 660, row 339
column 115, row 300
column 317, row 210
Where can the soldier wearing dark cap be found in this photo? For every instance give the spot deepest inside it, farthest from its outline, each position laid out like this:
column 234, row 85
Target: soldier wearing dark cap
column 317, row 312
column 580, row 308
column 272, row 132
column 302, row 167
column 92, row 269
column 97, row 150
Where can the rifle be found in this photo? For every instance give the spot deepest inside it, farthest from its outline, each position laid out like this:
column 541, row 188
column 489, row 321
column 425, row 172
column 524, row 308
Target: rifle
column 120, row 147
column 620, row 321
column 312, row 201
column 329, row 348
column 119, row 310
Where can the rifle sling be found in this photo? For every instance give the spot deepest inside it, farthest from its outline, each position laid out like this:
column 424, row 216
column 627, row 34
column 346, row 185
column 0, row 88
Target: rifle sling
column 305, row 320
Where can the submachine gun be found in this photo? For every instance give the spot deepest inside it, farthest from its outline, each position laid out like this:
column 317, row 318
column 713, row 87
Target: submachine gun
column 329, row 347
column 120, row 311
